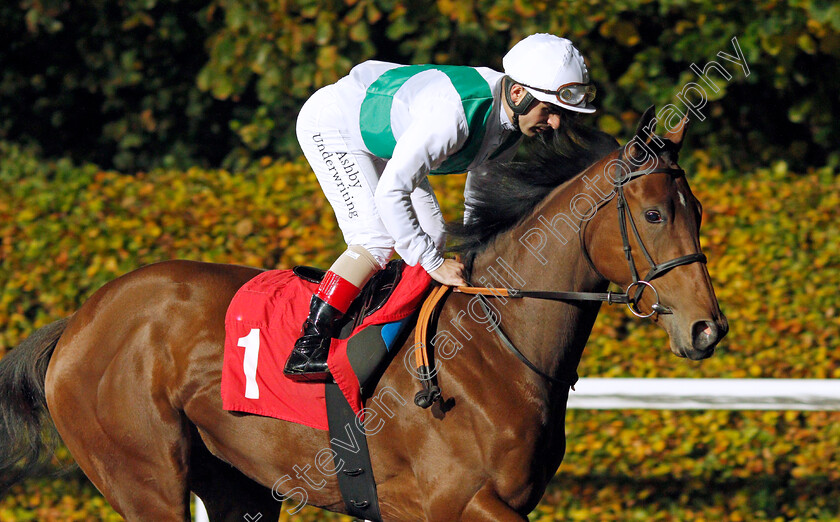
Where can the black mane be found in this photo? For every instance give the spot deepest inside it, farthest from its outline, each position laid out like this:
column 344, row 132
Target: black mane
column 509, row 192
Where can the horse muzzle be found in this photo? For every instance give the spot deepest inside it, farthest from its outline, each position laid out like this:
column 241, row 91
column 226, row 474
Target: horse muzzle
column 705, row 336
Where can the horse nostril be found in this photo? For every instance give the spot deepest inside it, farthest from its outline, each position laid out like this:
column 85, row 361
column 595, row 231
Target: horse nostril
column 704, row 334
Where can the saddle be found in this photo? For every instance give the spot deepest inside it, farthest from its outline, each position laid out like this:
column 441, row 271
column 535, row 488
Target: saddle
column 261, row 325
column 373, row 296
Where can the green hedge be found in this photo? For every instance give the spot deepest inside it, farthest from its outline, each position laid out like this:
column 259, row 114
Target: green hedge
column 640, row 53
column 143, row 82
column 774, row 256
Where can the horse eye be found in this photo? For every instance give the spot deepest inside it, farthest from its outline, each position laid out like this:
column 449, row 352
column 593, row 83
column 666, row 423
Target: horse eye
column 653, row 216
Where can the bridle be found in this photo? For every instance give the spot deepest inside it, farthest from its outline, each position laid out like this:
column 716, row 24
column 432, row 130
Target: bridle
column 625, row 216
column 630, row 297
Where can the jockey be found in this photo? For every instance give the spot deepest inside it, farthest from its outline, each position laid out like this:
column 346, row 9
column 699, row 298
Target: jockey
column 373, row 137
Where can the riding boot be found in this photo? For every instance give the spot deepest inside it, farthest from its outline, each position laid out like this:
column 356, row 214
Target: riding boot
column 308, row 360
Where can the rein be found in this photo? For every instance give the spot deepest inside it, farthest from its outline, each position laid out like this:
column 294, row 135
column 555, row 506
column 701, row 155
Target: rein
column 497, row 327
column 516, row 293
column 431, row 391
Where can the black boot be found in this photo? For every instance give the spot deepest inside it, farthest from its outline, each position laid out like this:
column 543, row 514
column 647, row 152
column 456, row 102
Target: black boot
column 308, row 360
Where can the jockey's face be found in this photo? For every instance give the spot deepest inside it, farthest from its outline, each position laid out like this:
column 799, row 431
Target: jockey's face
column 540, row 117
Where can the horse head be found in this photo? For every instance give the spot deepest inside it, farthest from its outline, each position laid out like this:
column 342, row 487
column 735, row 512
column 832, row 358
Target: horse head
column 644, row 237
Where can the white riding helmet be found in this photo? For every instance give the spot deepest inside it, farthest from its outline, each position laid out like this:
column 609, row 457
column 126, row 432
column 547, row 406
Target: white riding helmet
column 552, row 70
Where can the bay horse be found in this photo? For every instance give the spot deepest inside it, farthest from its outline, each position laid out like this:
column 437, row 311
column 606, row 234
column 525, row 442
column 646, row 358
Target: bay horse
column 131, row 381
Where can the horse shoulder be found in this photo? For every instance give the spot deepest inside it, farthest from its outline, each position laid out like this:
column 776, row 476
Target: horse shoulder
column 488, row 428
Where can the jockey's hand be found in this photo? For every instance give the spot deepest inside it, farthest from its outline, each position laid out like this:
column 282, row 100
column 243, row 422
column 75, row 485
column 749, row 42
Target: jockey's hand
column 450, row 273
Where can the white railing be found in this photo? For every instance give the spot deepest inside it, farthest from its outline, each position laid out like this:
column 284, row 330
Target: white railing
column 691, row 394
column 200, row 512
column 706, row 394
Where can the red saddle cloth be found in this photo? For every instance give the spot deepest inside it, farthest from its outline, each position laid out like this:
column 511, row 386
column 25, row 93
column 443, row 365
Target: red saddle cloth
column 262, row 323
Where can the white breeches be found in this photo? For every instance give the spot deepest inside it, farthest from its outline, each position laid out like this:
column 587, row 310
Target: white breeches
column 348, row 175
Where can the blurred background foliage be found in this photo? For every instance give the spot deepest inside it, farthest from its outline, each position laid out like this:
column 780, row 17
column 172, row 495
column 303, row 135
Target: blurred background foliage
column 774, row 256
column 111, row 81
column 134, row 131
column 133, row 84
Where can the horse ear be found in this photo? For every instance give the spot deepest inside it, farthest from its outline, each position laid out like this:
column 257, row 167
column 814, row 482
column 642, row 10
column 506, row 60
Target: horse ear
column 642, row 130
column 637, row 147
column 676, row 135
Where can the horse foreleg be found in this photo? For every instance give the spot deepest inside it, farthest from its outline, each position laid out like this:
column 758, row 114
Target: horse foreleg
column 486, row 505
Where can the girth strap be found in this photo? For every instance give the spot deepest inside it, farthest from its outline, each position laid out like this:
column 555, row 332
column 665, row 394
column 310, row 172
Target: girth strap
column 351, row 458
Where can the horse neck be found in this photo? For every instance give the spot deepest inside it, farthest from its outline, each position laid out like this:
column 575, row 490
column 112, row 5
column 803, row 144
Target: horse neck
column 544, row 252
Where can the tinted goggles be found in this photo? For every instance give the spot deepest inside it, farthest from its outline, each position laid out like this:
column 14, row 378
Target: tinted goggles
column 571, row 93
